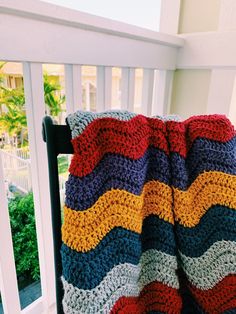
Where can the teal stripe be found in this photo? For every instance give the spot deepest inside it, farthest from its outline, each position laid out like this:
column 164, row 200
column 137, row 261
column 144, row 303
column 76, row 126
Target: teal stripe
column 123, row 280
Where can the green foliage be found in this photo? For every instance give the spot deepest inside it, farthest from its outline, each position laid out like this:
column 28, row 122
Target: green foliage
column 62, row 164
column 51, row 98
column 14, row 118
column 2, row 63
column 21, row 210
column 1, row 75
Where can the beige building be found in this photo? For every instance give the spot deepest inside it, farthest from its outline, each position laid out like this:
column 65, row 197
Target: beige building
column 13, row 78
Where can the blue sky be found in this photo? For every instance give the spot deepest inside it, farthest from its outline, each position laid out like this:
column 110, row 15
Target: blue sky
column 144, row 13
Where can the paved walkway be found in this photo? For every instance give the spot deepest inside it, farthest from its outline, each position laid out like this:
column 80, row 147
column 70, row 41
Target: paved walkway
column 28, row 295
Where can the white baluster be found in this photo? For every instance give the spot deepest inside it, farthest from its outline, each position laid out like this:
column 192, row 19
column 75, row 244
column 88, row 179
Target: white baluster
column 162, row 92
column 127, row 88
column 104, row 85
column 8, row 280
column 73, row 87
column 147, row 91
column 35, row 110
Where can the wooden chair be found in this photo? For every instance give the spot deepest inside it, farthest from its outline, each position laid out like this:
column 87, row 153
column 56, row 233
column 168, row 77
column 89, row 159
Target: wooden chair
column 58, row 141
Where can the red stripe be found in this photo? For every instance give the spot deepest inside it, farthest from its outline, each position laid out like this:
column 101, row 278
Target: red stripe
column 159, row 297
column 220, row 298
column 102, row 136
column 154, row 297
column 132, row 138
column 183, row 134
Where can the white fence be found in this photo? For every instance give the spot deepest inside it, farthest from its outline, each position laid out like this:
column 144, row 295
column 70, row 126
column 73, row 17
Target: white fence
column 34, row 33
column 17, row 170
column 20, row 152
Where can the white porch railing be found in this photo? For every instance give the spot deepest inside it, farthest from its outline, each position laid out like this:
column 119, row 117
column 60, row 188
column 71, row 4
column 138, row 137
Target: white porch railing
column 34, row 33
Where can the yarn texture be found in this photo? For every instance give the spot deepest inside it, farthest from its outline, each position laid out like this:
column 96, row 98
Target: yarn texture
column 150, row 215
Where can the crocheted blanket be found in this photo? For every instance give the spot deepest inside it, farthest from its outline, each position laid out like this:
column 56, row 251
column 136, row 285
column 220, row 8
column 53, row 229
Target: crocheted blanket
column 150, row 215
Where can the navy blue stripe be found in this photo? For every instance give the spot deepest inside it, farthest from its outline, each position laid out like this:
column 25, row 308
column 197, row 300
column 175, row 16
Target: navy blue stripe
column 219, row 223
column 204, row 155
column 231, row 311
column 118, row 172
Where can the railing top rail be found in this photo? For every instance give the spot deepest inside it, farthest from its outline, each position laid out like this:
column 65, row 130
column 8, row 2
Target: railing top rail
column 64, row 16
column 208, row 50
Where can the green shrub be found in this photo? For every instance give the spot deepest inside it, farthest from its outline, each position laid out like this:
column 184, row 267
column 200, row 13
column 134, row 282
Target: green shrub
column 21, row 210
column 62, row 164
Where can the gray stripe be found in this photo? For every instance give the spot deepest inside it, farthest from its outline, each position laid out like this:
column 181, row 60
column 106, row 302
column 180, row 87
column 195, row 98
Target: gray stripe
column 217, row 262
column 123, row 280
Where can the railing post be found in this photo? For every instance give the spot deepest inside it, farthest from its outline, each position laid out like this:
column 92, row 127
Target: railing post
column 220, row 91
column 35, row 110
column 169, row 16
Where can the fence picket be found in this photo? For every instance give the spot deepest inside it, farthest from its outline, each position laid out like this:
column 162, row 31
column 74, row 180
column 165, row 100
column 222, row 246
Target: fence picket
column 147, row 91
column 104, row 85
column 8, row 279
column 162, row 92
column 127, row 88
column 73, row 87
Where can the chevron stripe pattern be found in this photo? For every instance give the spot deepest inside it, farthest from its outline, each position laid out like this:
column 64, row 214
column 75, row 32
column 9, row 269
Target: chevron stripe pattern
column 150, row 215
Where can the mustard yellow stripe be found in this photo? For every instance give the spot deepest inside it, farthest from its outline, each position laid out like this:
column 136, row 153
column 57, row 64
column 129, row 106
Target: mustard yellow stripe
column 208, row 189
column 83, row 230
